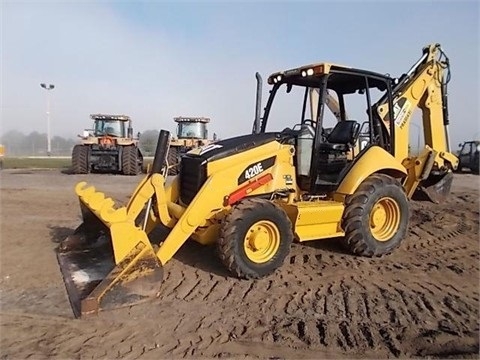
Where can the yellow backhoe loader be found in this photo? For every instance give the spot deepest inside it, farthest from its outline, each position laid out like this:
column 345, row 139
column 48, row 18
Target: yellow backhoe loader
column 252, row 195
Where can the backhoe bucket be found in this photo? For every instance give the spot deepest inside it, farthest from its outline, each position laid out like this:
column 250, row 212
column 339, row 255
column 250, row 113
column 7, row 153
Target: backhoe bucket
column 94, row 280
column 435, row 188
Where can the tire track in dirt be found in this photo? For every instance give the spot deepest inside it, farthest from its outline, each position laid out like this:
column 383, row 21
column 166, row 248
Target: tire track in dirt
column 352, row 299
column 405, row 306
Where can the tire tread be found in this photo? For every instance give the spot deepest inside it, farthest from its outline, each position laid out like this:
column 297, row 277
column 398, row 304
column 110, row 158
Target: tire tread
column 226, row 249
column 352, row 222
column 80, row 159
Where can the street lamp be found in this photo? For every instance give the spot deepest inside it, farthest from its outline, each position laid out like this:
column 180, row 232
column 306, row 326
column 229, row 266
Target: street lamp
column 48, row 87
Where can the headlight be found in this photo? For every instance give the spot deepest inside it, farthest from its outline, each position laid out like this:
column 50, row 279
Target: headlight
column 308, row 72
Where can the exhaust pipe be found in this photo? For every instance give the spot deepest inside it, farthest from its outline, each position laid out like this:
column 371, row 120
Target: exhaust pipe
column 258, row 105
column 161, row 152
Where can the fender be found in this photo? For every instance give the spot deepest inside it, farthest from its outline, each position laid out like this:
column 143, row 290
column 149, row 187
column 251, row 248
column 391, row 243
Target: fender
column 375, row 159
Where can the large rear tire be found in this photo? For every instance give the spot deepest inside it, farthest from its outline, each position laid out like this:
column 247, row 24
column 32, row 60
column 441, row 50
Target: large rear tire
column 80, row 164
column 255, row 238
column 376, row 217
column 130, row 163
column 173, row 158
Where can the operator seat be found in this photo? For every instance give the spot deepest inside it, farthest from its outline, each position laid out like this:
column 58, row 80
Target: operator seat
column 333, row 154
column 342, row 137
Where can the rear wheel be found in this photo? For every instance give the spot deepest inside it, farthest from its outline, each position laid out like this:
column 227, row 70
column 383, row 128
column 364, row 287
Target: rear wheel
column 255, row 238
column 376, row 217
column 80, row 163
column 130, row 163
column 173, row 159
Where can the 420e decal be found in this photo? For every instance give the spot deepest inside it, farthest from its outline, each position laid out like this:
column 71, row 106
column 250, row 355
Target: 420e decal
column 256, row 168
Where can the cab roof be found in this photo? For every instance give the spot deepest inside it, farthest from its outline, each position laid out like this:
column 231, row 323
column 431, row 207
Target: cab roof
column 194, row 119
column 110, row 117
column 345, row 79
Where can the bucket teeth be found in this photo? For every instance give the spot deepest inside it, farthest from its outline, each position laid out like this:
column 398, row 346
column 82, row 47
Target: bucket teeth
column 105, row 203
column 83, row 191
column 103, row 207
column 111, row 215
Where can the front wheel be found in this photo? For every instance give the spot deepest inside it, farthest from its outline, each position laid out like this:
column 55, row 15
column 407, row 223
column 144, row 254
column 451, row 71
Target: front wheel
column 255, row 238
column 376, row 216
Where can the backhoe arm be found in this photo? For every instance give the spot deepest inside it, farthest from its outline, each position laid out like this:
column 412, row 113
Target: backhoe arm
column 424, row 86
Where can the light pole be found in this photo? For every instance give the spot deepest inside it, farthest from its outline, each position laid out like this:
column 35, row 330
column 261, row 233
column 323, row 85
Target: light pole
column 48, row 87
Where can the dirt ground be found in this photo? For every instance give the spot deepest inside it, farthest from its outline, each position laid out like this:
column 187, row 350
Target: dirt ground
column 421, row 301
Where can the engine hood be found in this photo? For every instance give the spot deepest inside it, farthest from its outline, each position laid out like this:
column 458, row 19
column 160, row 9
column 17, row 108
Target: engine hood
column 235, row 145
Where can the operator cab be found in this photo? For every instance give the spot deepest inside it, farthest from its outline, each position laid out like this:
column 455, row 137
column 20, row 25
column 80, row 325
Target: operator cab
column 192, row 127
column 111, row 125
column 328, row 140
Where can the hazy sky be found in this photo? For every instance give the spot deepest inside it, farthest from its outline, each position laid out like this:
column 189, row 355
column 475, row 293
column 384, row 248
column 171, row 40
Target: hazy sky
column 156, row 60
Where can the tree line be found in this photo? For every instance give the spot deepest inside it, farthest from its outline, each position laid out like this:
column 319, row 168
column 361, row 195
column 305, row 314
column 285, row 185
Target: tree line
column 35, row 144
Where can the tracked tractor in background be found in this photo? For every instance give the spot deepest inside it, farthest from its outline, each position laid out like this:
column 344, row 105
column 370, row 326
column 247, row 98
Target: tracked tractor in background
column 191, row 133
column 109, row 147
column 252, row 195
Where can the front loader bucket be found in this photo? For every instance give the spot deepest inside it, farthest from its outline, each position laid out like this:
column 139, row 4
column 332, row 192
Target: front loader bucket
column 109, row 262
column 94, row 280
column 435, row 188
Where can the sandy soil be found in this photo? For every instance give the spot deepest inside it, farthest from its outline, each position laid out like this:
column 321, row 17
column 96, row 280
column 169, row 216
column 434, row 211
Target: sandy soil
column 423, row 300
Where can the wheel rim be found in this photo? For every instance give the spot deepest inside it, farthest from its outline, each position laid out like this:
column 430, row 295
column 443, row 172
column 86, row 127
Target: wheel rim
column 385, row 219
column 262, row 241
